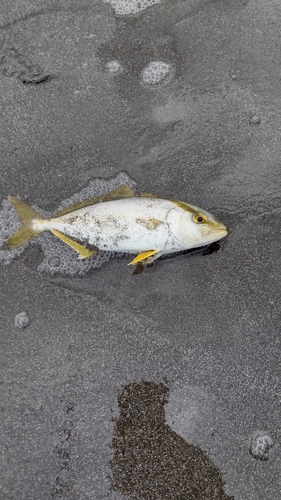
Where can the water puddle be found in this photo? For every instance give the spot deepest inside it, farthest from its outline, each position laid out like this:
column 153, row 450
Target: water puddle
column 152, row 461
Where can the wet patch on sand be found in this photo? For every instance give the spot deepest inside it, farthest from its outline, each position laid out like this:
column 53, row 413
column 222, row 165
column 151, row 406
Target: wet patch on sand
column 152, row 461
column 146, row 51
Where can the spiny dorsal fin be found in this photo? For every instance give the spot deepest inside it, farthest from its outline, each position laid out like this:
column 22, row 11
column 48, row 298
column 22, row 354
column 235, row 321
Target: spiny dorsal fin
column 121, row 192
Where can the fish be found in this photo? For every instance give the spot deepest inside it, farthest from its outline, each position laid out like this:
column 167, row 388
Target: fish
column 121, row 221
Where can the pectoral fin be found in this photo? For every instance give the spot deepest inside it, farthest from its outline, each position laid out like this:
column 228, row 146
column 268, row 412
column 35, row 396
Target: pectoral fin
column 143, row 256
column 149, row 223
column 83, row 252
column 153, row 223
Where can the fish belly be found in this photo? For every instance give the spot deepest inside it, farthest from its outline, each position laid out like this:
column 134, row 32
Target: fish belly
column 131, row 225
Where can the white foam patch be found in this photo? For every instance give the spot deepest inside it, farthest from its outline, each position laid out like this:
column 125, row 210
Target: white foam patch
column 57, row 256
column 114, row 67
column 22, row 319
column 129, row 7
column 9, row 223
column 156, row 72
column 260, row 445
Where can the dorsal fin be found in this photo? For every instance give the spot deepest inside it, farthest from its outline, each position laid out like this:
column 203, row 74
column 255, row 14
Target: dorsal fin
column 121, row 192
column 148, row 195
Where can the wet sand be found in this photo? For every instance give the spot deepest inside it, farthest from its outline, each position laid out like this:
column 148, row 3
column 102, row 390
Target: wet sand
column 185, row 98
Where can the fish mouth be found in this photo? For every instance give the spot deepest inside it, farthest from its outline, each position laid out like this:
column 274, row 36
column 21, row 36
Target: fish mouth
column 218, row 232
column 222, row 229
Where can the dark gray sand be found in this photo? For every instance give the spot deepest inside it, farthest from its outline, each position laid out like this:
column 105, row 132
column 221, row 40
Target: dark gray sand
column 183, row 97
column 152, row 461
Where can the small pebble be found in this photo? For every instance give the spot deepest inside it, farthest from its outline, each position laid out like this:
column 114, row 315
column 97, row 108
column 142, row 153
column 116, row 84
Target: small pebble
column 22, row 320
column 255, row 120
column 260, row 445
column 234, row 77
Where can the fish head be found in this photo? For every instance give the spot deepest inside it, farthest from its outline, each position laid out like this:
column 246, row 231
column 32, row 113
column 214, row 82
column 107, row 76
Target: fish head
column 198, row 227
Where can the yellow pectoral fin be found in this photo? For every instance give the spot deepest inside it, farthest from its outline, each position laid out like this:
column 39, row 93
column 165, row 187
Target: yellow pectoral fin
column 150, row 223
column 83, row 252
column 143, row 256
column 153, row 223
column 121, row 192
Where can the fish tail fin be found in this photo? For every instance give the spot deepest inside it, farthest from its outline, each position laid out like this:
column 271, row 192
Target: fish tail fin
column 27, row 230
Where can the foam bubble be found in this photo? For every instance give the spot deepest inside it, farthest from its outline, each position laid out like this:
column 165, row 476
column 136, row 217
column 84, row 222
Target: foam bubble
column 260, row 445
column 57, row 256
column 22, row 319
column 129, row 7
column 9, row 223
column 114, row 67
column 155, row 72
column 54, row 261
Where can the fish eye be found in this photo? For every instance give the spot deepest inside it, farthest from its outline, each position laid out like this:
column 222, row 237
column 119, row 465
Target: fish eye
column 199, row 218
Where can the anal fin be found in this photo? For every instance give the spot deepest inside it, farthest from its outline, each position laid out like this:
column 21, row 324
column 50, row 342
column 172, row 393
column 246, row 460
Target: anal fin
column 83, row 252
column 143, row 256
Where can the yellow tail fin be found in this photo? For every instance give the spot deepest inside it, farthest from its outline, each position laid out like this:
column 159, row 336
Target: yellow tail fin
column 26, row 231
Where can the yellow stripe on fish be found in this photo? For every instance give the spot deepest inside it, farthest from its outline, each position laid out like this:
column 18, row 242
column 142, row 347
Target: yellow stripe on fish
column 120, row 221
